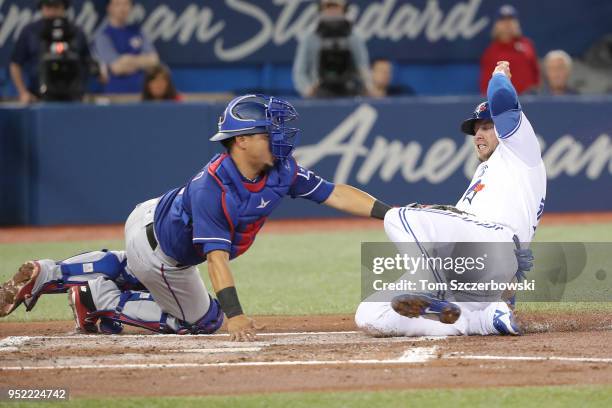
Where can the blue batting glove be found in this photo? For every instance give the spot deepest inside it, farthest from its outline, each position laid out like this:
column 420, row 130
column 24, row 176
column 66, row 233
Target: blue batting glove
column 524, row 259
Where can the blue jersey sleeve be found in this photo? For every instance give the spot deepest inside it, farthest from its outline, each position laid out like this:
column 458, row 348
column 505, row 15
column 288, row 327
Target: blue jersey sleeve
column 310, row 186
column 147, row 45
column 211, row 223
column 514, row 130
column 504, row 105
column 105, row 49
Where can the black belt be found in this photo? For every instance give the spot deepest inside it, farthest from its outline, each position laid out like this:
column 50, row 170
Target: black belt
column 150, row 228
column 151, row 235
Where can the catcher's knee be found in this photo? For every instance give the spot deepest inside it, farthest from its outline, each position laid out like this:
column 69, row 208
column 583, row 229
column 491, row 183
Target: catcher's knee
column 208, row 324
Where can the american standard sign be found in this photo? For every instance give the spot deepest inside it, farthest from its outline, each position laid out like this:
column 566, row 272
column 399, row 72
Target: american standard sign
column 369, row 156
column 224, row 31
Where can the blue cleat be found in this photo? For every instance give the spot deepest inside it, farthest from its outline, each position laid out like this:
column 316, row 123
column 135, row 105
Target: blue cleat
column 110, row 326
column 413, row 305
column 505, row 323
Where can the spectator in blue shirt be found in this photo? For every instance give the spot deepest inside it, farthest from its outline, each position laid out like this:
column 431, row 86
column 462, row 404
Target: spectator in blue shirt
column 25, row 57
column 123, row 49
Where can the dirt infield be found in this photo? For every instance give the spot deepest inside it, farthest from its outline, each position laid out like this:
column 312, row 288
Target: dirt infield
column 107, row 232
column 308, row 353
column 312, row 353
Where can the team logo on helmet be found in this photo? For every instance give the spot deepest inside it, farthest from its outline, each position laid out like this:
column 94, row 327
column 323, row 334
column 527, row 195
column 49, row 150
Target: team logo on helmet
column 481, row 108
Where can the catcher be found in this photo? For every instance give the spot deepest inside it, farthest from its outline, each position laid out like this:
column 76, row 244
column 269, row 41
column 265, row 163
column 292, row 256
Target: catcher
column 215, row 217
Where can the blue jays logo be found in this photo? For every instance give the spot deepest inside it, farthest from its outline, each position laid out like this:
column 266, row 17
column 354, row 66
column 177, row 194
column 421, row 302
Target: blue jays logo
column 472, row 191
column 480, row 108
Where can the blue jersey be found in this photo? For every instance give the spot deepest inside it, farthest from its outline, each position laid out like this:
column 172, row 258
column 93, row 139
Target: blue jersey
column 219, row 210
column 113, row 42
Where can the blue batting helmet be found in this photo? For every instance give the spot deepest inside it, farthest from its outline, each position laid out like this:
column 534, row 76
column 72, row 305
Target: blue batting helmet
column 481, row 112
column 253, row 114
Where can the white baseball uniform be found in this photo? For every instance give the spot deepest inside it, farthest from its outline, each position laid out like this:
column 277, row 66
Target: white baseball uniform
column 504, row 199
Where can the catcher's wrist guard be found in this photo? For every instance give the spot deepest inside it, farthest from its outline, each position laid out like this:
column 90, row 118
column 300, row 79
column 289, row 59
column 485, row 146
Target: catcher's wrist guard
column 228, row 299
column 379, row 209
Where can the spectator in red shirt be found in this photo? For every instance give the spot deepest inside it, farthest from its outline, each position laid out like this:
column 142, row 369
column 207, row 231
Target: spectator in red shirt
column 509, row 44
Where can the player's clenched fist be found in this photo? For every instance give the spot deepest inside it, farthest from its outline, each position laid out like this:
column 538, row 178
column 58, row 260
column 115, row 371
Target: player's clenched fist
column 503, row 67
column 242, row 328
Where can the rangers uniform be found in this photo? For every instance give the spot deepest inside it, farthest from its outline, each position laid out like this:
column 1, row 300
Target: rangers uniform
column 155, row 282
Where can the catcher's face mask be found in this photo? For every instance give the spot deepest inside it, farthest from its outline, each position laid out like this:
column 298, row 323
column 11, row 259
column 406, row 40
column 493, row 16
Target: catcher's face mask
column 253, row 114
column 283, row 139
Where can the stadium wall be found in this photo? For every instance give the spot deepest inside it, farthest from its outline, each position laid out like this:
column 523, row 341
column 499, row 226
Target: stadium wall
column 84, row 164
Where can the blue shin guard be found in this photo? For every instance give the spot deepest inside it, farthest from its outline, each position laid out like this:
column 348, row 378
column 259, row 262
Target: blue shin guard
column 208, row 324
column 79, row 269
column 110, row 264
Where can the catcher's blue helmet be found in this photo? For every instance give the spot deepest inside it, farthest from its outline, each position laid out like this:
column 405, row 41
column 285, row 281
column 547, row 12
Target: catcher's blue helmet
column 253, row 114
column 481, row 112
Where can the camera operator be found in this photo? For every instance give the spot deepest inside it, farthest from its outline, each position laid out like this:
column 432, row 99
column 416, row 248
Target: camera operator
column 332, row 60
column 31, row 59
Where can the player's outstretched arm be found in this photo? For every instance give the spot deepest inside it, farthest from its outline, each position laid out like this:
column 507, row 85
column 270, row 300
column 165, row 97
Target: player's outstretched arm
column 239, row 326
column 354, row 201
column 503, row 101
column 513, row 128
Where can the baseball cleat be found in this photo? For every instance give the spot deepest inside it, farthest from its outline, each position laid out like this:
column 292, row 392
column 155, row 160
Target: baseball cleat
column 110, row 326
column 505, row 323
column 18, row 288
column 412, row 305
column 85, row 323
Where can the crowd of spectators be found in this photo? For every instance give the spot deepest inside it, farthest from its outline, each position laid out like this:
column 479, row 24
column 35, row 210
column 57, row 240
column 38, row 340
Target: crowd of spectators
column 332, row 60
column 125, row 59
column 349, row 60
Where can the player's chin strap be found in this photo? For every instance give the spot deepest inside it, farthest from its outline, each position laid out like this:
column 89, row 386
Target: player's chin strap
column 208, row 324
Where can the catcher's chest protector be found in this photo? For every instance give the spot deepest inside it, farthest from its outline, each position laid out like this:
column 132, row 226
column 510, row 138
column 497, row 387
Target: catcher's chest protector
column 247, row 205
